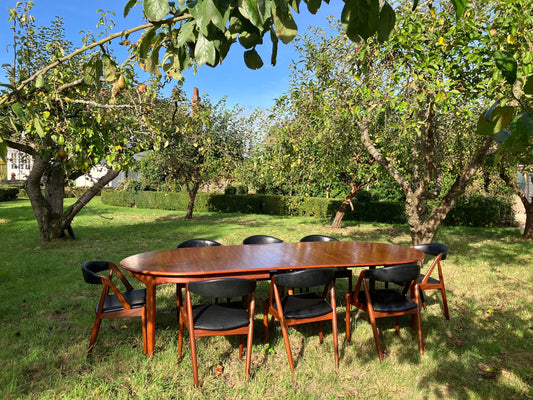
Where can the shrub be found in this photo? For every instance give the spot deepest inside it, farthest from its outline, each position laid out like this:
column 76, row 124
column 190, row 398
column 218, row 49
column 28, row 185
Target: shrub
column 230, row 190
column 9, row 192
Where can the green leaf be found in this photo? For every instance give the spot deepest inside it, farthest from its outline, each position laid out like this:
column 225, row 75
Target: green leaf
column 156, row 10
column 199, row 12
column 218, row 13
column 528, row 85
column 19, row 112
column 275, row 42
column 252, row 59
column 286, row 28
column 38, row 127
column 204, row 52
column 3, row 150
column 186, row 33
column 39, row 82
column 460, row 6
column 129, row 5
column 387, row 19
column 499, row 119
column 507, row 65
column 93, row 72
column 313, row 6
column 146, row 43
column 109, row 68
column 360, row 18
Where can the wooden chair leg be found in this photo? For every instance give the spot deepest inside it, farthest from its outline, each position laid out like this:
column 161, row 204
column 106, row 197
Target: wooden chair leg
column 320, row 332
column 445, row 302
column 287, row 344
column 376, row 335
column 335, row 337
column 241, row 346
column 348, row 306
column 265, row 322
column 249, row 351
column 94, row 335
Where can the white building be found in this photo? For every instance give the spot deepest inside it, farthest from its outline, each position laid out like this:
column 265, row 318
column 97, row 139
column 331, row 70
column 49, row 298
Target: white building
column 19, row 165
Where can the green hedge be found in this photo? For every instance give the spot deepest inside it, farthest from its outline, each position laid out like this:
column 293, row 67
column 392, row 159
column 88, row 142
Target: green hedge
column 9, row 192
column 480, row 212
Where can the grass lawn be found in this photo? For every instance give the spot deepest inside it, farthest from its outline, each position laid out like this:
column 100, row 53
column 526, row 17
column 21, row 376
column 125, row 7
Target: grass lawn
column 485, row 351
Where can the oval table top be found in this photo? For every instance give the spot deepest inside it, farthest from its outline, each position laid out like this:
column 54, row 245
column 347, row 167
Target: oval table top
column 195, row 262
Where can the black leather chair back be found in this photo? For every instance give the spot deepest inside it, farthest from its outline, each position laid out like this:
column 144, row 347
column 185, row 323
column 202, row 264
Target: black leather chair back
column 433, row 249
column 306, row 278
column 198, row 243
column 394, row 273
column 261, row 239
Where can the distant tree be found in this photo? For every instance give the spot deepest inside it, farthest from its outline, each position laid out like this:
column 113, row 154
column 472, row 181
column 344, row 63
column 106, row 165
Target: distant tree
column 317, row 149
column 418, row 99
column 196, row 142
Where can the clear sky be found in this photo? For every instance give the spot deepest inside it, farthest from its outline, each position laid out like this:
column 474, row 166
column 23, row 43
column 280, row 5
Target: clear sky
column 249, row 88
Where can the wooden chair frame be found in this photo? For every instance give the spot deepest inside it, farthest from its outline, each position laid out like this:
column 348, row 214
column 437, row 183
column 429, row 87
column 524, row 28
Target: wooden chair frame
column 353, row 299
column 126, row 311
column 426, row 282
column 187, row 315
column 275, row 295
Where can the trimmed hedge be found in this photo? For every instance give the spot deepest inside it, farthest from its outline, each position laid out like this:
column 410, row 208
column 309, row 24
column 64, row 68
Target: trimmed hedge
column 474, row 212
column 9, row 192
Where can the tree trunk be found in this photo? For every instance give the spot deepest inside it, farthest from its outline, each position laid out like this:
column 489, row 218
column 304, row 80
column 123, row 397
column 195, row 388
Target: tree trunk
column 423, row 225
column 528, row 205
column 52, row 220
column 528, row 229
column 192, row 198
column 342, row 209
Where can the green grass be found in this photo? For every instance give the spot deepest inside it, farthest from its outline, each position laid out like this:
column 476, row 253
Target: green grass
column 46, row 313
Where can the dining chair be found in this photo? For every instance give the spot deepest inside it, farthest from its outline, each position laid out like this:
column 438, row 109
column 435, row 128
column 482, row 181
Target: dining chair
column 379, row 303
column 196, row 242
column 218, row 319
column 426, row 281
column 302, row 308
column 261, row 239
column 117, row 304
column 339, row 271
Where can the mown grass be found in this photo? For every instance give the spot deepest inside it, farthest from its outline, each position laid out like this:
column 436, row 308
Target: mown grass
column 485, row 351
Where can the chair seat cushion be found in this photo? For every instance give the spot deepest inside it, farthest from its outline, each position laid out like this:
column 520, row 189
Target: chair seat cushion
column 136, row 298
column 220, row 317
column 304, row 305
column 388, row 300
column 431, row 280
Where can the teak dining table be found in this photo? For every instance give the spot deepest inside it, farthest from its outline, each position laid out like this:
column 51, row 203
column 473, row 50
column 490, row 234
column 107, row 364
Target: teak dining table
column 182, row 265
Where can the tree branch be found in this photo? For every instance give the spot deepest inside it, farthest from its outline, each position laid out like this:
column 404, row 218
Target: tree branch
column 83, row 49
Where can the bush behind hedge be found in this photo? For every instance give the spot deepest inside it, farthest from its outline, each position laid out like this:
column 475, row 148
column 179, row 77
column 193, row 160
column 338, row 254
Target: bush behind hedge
column 474, row 212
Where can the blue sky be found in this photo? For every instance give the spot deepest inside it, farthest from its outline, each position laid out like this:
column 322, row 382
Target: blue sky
column 249, row 88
